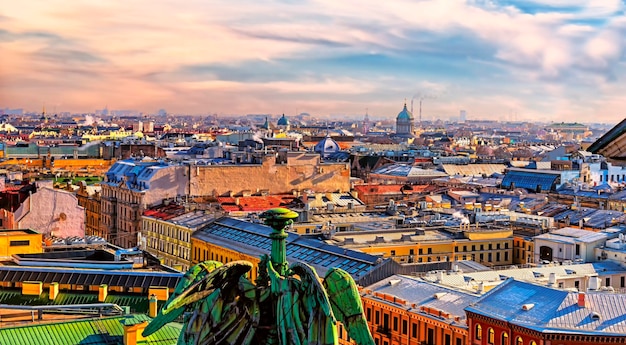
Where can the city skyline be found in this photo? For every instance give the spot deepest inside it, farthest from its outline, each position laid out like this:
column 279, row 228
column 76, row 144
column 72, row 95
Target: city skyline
column 552, row 60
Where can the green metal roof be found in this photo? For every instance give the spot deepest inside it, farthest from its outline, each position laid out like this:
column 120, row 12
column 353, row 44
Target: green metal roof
column 137, row 303
column 86, row 332
column 405, row 114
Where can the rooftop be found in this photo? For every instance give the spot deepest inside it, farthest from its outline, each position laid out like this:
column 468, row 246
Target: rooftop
column 554, row 310
column 97, row 331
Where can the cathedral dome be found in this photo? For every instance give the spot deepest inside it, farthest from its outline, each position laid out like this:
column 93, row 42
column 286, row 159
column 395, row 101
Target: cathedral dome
column 405, row 114
column 283, row 121
column 327, row 146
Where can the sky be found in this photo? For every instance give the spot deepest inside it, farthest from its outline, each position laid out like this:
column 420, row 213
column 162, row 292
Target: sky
column 530, row 60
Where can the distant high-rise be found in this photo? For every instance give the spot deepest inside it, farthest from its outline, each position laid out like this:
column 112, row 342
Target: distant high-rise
column 463, row 116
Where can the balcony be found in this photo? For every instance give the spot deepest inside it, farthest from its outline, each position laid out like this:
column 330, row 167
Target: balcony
column 386, row 331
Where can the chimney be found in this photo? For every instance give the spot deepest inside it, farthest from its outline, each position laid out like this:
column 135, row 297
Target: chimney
column 53, row 291
column 581, row 299
column 552, row 279
column 594, row 283
column 103, row 292
column 153, row 307
column 439, row 276
column 132, row 330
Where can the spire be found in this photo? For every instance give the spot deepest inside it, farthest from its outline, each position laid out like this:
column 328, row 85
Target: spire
column 405, row 104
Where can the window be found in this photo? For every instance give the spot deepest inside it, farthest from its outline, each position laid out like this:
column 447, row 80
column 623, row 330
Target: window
column 504, row 338
column 405, row 327
column 519, row 341
column 479, row 332
column 532, row 342
column 411, row 251
column 578, row 249
column 395, row 323
column 369, row 314
column 19, row 243
column 377, row 320
column 430, row 250
column 607, row 281
column 492, row 336
column 622, row 282
column 393, row 253
column 414, row 330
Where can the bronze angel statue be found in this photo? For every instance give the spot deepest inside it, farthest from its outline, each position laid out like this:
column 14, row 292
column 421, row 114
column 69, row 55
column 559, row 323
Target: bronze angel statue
column 286, row 305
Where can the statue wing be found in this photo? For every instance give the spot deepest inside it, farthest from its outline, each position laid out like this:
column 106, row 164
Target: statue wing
column 318, row 322
column 198, row 282
column 346, row 304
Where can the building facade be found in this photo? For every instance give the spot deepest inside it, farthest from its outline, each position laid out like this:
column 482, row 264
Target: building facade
column 167, row 231
column 129, row 188
column 89, row 198
column 406, row 310
column 277, row 175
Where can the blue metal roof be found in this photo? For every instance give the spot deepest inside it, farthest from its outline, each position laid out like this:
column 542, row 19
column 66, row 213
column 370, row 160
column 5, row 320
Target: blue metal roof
column 253, row 239
column 531, row 179
column 553, row 310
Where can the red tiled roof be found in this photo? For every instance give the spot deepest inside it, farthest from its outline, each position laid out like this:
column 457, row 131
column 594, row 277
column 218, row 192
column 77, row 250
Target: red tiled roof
column 165, row 212
column 254, row 203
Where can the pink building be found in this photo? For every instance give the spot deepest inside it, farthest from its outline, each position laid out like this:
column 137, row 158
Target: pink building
column 51, row 212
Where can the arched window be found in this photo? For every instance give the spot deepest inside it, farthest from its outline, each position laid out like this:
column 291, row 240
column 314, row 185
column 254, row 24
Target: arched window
column 532, row 342
column 519, row 341
column 505, row 338
column 479, row 332
column 492, row 336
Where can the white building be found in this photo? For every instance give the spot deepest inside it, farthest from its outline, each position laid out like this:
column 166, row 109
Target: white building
column 568, row 244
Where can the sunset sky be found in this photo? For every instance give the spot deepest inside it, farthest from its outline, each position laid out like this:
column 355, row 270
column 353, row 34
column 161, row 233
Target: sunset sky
column 552, row 60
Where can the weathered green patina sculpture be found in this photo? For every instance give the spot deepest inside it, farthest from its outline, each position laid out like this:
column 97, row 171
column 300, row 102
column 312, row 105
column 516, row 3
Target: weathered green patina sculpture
column 286, row 305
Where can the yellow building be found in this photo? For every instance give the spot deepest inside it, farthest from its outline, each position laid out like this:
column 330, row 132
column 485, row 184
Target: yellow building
column 491, row 247
column 21, row 241
column 524, row 250
column 167, row 231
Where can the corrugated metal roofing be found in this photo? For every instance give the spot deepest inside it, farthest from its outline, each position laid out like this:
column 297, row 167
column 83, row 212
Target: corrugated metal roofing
column 253, row 239
column 473, row 169
column 531, row 179
column 554, row 310
column 85, row 332
column 407, row 171
column 419, row 292
column 143, row 279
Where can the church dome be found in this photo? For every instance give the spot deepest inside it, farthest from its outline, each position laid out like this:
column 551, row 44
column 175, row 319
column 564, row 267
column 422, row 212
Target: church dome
column 405, row 114
column 283, row 121
column 327, row 146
